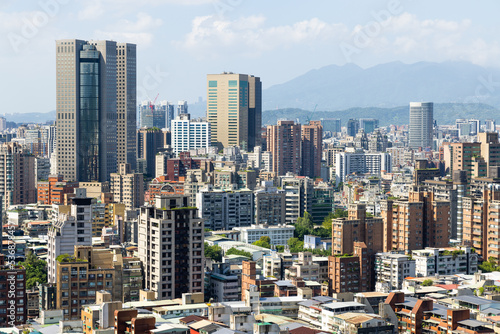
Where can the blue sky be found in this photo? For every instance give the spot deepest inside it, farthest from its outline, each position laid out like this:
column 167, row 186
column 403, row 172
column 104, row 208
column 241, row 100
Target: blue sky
column 180, row 41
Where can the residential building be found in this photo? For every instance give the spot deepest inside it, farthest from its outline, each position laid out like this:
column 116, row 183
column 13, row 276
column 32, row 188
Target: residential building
column 312, row 136
column 127, row 187
column 350, row 272
column 299, row 191
column 304, row 268
column 54, row 189
column 279, row 234
column 182, row 107
column 171, row 247
column 419, row 222
column 96, row 92
column 189, row 134
column 421, row 124
column 270, row 206
column 391, row 268
column 13, row 296
column 445, row 261
column 225, row 209
column 490, row 149
column 283, row 141
column 459, row 156
column 69, row 230
column 17, row 175
column 234, row 110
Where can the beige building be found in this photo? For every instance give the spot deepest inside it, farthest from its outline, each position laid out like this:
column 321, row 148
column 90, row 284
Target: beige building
column 490, row 149
column 17, row 175
column 96, row 101
column 95, row 189
column 284, row 142
column 128, row 187
column 234, row 110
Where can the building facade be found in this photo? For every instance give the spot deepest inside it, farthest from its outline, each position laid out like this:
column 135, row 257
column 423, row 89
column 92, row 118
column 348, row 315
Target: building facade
column 189, row 135
column 421, row 124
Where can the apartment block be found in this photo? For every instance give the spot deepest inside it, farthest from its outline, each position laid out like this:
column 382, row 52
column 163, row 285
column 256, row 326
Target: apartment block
column 350, row 272
column 391, row 268
column 445, row 261
column 279, row 234
column 127, row 187
column 189, row 134
column 284, row 143
column 171, row 247
column 361, row 163
column 13, row 297
column 53, row 190
column 270, row 206
column 17, row 175
column 416, row 223
column 490, row 149
column 459, row 156
column 225, row 209
column 312, row 137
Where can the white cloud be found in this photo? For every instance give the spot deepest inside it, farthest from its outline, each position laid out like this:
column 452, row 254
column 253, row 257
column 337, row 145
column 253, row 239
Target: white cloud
column 140, row 31
column 404, row 36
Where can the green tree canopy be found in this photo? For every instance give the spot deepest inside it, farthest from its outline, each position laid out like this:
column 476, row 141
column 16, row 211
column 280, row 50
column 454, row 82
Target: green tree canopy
column 295, row 245
column 213, row 252
column 235, row 251
column 36, row 270
column 427, row 282
column 264, row 241
column 304, row 225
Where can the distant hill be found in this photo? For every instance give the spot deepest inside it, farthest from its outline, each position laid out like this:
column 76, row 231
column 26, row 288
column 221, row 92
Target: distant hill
column 386, row 86
column 444, row 113
column 31, row 117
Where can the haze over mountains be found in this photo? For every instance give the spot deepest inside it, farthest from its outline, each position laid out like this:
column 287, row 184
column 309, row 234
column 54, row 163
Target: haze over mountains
column 458, row 89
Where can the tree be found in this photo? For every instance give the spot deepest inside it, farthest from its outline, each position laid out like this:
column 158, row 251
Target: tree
column 264, row 241
column 234, row 251
column 304, row 225
column 427, row 282
column 295, row 245
column 213, row 252
column 280, row 248
column 36, row 270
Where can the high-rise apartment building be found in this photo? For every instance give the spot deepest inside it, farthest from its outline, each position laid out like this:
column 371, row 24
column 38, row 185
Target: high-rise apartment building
column 171, row 247
column 182, row 107
column 270, row 206
column 70, row 228
column 312, row 139
column 189, row 134
column 17, row 175
column 421, row 124
column 490, row 149
column 416, row 223
column 360, row 162
column 13, row 301
column 168, row 109
column 128, row 187
column 96, row 101
column 459, row 156
column 283, row 141
column 234, row 109
column 350, row 272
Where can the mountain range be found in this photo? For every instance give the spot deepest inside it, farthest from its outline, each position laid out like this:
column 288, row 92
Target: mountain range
column 458, row 89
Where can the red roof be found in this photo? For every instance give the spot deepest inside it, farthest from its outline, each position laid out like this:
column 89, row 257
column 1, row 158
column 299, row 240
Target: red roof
column 448, row 286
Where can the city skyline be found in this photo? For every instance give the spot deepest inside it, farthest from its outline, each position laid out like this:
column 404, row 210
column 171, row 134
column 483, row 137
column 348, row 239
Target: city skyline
column 246, row 37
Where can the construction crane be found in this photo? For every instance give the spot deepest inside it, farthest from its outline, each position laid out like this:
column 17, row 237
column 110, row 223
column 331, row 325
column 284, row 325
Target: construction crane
column 152, row 104
column 308, row 119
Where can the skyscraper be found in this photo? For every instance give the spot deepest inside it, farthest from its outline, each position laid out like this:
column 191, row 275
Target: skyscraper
column 312, row 136
column 189, row 135
column 182, row 107
column 421, row 119
column 96, row 93
column 234, row 109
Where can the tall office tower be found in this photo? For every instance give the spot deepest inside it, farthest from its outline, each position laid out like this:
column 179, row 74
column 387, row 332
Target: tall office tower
column 17, row 175
column 171, row 247
column 52, row 140
column 70, row 227
column 189, row 135
column 490, row 125
column 149, row 143
column 126, row 101
column 421, row 121
column 168, row 109
column 152, row 116
column 332, row 124
column 127, row 187
column 352, row 127
column 3, row 123
column 283, row 141
column 312, row 137
column 95, row 107
column 368, row 124
column 234, row 109
column 182, row 107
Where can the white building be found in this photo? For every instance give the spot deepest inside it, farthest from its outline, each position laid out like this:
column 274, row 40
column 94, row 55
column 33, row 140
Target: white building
column 69, row 230
column 362, row 163
column 189, row 135
column 224, row 210
column 279, row 234
column 259, row 159
column 445, row 261
column 391, row 269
